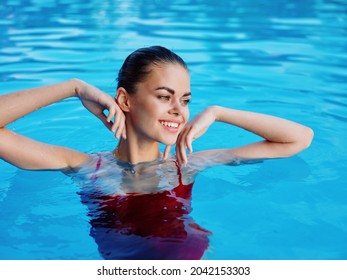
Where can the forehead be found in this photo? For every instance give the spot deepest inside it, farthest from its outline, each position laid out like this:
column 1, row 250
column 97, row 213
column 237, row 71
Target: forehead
column 169, row 74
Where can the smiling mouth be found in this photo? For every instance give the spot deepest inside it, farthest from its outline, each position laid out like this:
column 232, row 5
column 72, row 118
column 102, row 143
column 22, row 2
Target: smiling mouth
column 170, row 124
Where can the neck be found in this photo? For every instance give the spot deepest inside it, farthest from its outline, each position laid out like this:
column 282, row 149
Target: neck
column 134, row 151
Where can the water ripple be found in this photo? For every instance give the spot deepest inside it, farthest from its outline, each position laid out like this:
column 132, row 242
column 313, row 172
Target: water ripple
column 282, row 57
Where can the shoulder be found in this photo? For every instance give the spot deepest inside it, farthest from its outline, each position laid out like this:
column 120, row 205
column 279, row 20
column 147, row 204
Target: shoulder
column 204, row 159
column 84, row 164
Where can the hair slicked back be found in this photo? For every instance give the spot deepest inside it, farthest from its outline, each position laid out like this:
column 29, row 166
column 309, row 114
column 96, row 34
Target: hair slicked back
column 138, row 64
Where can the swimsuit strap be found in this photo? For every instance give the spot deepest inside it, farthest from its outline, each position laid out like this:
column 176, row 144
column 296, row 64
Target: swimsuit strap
column 179, row 173
column 182, row 190
column 97, row 167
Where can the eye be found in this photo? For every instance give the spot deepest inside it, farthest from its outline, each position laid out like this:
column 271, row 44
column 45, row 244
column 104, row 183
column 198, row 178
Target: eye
column 185, row 101
column 164, row 97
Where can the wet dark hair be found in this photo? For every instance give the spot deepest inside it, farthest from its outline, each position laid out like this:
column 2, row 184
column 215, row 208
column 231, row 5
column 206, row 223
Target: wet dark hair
column 138, row 64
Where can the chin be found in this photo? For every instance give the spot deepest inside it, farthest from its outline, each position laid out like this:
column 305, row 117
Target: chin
column 169, row 141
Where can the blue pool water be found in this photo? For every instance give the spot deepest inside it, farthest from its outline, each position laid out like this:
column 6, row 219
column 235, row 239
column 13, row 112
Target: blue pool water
column 286, row 58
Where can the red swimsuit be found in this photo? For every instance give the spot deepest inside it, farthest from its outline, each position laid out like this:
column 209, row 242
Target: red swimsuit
column 147, row 226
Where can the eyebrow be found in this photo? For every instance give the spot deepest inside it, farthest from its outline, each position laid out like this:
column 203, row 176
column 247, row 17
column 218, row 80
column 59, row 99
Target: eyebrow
column 172, row 91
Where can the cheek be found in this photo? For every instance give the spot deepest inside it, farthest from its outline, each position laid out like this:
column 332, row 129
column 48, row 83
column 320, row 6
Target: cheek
column 142, row 111
column 145, row 118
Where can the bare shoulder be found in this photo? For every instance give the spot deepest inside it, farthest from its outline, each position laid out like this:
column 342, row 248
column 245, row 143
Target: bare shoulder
column 204, row 159
column 74, row 158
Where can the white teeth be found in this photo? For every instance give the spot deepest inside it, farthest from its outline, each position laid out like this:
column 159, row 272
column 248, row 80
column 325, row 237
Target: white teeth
column 170, row 124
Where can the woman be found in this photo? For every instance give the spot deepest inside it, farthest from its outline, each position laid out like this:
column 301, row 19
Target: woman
column 138, row 197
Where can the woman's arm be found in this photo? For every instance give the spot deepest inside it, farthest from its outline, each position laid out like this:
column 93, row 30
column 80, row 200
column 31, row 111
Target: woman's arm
column 282, row 138
column 29, row 154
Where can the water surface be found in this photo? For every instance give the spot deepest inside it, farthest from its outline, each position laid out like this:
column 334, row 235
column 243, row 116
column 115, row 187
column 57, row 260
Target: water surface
column 282, row 58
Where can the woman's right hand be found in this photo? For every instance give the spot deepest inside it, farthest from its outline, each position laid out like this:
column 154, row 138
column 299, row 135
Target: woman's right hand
column 97, row 101
column 194, row 129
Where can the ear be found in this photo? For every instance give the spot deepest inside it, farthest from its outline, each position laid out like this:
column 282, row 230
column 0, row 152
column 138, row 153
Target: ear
column 122, row 98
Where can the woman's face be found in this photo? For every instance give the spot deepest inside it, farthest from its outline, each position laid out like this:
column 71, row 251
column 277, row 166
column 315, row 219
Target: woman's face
column 159, row 108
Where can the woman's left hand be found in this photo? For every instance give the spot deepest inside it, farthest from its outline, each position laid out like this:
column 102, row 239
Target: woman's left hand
column 194, row 129
column 96, row 101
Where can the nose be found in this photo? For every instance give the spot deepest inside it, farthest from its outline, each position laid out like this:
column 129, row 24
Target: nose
column 176, row 107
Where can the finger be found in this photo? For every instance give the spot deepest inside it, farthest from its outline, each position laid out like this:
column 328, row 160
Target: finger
column 180, row 146
column 178, row 149
column 181, row 155
column 105, row 122
column 184, row 154
column 181, row 150
column 167, row 152
column 102, row 117
column 111, row 113
column 116, row 126
column 189, row 140
column 186, row 142
column 178, row 158
column 124, row 133
column 118, row 121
